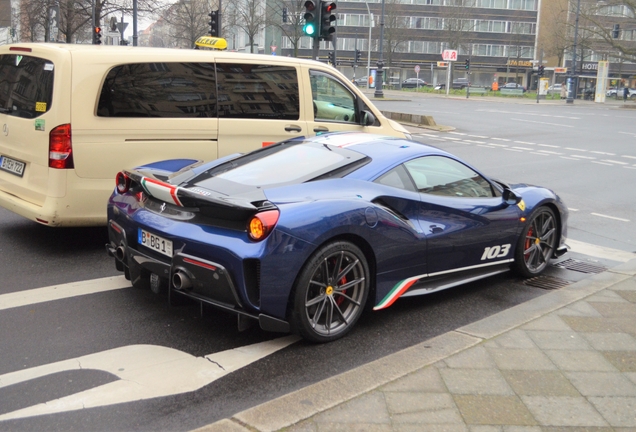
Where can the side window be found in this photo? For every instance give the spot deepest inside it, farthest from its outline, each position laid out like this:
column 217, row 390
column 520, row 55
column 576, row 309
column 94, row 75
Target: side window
column 159, row 90
column 440, row 175
column 258, row 91
column 332, row 100
column 26, row 85
column 397, row 178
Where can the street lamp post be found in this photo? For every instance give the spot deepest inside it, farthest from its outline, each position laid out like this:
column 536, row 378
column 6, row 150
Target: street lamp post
column 369, row 43
column 572, row 81
column 378, row 85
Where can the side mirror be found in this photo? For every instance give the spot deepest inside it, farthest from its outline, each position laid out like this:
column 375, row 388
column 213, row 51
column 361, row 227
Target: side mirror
column 510, row 197
column 368, row 118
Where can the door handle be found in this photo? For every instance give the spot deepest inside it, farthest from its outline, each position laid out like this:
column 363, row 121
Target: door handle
column 321, row 129
column 293, row 128
column 435, row 229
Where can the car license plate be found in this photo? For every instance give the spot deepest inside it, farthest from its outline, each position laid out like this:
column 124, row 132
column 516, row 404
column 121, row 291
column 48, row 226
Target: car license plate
column 155, row 242
column 11, row 165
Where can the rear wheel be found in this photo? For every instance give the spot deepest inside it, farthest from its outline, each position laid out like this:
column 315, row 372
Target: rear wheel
column 331, row 292
column 537, row 243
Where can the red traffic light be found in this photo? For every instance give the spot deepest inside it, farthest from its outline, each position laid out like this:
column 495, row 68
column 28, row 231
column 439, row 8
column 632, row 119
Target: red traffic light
column 98, row 29
column 329, row 7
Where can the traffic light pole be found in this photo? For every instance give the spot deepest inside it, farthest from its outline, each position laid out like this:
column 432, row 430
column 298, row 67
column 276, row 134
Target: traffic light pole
column 539, row 73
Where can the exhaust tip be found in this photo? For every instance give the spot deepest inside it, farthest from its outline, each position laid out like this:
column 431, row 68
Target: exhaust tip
column 120, row 253
column 181, row 281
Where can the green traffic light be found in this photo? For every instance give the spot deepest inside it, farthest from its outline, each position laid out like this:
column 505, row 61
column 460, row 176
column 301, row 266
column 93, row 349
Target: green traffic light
column 309, row 29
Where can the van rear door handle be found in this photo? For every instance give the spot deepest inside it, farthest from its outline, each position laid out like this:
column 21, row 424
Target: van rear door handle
column 321, row 129
column 293, row 128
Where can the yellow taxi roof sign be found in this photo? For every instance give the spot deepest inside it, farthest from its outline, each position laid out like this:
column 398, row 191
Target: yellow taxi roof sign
column 211, row 42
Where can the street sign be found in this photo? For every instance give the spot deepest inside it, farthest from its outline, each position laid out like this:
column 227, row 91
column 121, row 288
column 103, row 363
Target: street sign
column 449, row 55
column 560, row 70
column 417, row 68
column 442, row 64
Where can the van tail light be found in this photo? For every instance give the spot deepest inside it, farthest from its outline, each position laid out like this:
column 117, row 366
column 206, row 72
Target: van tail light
column 262, row 224
column 61, row 148
column 123, row 182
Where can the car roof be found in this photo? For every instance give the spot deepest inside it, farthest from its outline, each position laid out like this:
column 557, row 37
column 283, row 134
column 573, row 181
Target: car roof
column 384, row 151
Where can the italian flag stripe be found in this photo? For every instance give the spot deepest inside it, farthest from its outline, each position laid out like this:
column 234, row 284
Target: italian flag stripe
column 399, row 289
column 161, row 190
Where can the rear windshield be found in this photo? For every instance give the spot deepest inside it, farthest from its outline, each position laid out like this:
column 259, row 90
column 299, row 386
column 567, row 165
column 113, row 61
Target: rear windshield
column 26, row 85
column 284, row 164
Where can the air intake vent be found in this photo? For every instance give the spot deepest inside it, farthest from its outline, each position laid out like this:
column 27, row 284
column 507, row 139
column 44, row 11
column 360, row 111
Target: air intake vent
column 546, row 282
column 580, row 266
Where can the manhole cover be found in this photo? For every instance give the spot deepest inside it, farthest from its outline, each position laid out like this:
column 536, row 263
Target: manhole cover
column 580, row 266
column 546, row 282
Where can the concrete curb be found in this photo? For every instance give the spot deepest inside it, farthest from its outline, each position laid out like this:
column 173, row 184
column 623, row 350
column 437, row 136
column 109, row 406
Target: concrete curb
column 314, row 399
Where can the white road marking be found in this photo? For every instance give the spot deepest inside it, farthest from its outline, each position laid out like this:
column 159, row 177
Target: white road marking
column 500, row 139
column 600, row 251
column 610, row 217
column 57, row 292
column 629, row 157
column 575, row 149
column 144, row 372
column 602, row 153
column 540, row 122
column 563, row 157
column 522, row 148
column 549, row 152
column 615, row 162
column 512, row 149
column 583, row 157
column 601, row 163
column 549, row 146
column 523, row 142
column 478, row 136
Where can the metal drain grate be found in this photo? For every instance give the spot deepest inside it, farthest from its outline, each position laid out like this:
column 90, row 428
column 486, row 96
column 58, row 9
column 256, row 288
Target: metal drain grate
column 546, row 282
column 580, row 266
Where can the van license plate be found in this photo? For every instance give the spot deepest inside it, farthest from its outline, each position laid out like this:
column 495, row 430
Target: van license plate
column 155, row 242
column 11, row 165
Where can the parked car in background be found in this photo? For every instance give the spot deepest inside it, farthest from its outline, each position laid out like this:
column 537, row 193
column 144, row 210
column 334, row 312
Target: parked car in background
column 361, row 82
column 458, row 83
column 612, row 92
column 413, row 83
column 512, row 85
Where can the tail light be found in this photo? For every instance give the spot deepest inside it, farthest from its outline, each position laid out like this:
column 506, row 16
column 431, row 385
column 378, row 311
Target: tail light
column 123, row 182
column 61, row 148
column 262, row 224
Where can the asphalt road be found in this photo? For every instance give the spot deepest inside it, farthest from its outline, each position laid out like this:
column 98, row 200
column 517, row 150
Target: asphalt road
column 75, row 328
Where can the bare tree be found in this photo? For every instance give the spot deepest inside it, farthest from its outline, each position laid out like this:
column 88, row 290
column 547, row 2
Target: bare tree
column 396, row 26
column 292, row 29
column 554, row 34
column 185, row 21
column 249, row 16
column 597, row 20
column 459, row 24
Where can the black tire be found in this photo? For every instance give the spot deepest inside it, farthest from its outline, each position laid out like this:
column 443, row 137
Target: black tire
column 536, row 243
column 330, row 292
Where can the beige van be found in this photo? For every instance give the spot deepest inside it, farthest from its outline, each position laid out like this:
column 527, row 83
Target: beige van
column 72, row 116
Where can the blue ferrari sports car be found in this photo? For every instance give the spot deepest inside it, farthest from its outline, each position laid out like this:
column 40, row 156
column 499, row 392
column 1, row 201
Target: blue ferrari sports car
column 306, row 234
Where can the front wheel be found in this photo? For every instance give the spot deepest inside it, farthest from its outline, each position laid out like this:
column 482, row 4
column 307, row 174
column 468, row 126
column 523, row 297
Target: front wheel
column 537, row 243
column 331, row 292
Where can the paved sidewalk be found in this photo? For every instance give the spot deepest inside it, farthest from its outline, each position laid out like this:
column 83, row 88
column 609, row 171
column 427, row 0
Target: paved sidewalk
column 565, row 361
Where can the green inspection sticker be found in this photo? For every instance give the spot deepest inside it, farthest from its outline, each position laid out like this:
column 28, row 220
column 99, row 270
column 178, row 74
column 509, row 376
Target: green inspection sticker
column 39, row 124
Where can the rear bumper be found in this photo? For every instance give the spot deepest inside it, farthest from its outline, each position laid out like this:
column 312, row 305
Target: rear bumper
column 185, row 275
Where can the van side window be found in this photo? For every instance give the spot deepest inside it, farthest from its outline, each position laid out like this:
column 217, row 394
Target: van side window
column 26, row 85
column 332, row 100
column 159, row 90
column 258, row 91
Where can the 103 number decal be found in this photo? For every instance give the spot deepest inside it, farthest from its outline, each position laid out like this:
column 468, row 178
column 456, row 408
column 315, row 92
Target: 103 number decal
column 495, row 252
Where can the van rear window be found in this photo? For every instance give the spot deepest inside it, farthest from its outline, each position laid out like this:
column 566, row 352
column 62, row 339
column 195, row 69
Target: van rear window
column 193, row 90
column 26, row 85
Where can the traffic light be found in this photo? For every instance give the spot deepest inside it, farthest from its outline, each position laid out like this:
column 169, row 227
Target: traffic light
column 97, row 36
column 284, row 14
column 358, row 55
column 615, row 31
column 332, row 58
column 310, row 19
column 541, row 70
column 467, row 64
column 327, row 19
column 214, row 23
